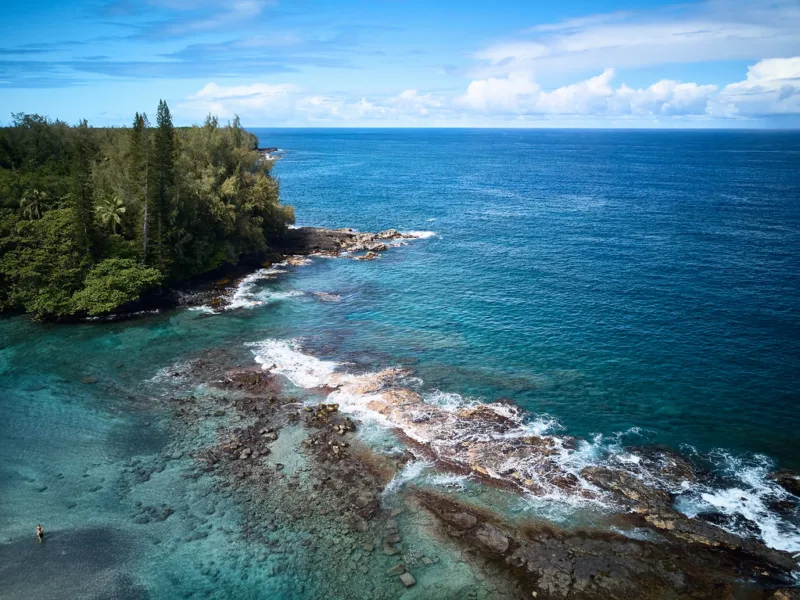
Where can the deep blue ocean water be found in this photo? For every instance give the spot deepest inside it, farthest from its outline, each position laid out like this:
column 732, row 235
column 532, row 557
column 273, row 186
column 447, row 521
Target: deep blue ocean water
column 642, row 284
column 611, row 279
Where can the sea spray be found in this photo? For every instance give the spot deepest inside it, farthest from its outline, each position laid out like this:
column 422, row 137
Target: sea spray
column 410, row 471
column 501, row 442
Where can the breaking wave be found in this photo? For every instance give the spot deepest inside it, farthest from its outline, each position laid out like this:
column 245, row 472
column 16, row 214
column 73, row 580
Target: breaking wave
column 247, row 295
column 744, row 500
column 464, row 438
column 419, row 235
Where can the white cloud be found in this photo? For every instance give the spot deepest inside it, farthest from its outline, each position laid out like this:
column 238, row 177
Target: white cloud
column 412, row 103
column 500, row 94
column 520, row 94
column 262, row 102
column 772, row 87
column 256, row 99
column 717, row 30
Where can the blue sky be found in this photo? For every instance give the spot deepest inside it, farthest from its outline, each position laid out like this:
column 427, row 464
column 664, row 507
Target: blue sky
column 395, row 63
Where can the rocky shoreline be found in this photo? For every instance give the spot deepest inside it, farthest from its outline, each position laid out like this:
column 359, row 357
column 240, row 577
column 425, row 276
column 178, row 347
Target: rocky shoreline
column 214, row 289
column 303, row 468
column 298, row 465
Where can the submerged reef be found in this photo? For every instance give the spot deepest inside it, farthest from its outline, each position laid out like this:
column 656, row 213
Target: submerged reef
column 324, row 503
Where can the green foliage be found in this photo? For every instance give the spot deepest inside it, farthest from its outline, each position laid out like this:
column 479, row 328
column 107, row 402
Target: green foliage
column 41, row 264
column 32, row 204
column 112, row 283
column 81, row 202
column 110, row 212
column 180, row 200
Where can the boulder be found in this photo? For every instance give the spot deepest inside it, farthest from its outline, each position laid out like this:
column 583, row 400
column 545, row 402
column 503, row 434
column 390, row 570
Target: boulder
column 627, row 487
column 368, row 256
column 390, row 549
column 492, row 538
column 408, row 579
column 462, row 520
column 788, row 480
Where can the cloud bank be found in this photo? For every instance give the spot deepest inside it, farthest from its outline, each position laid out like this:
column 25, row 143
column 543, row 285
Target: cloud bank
column 771, row 87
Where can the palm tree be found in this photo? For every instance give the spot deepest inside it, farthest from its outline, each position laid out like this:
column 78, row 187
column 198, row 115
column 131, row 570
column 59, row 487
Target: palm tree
column 110, row 212
column 31, row 204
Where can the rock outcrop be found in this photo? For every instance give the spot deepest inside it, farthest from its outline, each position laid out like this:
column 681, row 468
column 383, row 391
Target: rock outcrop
column 559, row 564
column 332, row 242
column 788, row 480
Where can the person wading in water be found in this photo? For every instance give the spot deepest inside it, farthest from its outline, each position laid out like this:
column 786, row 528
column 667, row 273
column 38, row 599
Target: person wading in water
column 40, row 533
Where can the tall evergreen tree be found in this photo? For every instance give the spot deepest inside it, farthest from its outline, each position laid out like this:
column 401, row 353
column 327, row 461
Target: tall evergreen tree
column 164, row 179
column 81, row 195
column 140, row 176
column 173, row 203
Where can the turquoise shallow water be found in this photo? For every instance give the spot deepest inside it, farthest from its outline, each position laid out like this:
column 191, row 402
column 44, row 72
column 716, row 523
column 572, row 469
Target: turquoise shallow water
column 638, row 282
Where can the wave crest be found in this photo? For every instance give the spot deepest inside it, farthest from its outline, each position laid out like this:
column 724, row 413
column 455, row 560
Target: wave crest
column 500, row 442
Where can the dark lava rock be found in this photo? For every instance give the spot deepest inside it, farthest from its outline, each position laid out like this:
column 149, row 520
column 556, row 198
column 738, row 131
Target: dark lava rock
column 462, row 520
column 788, row 480
column 627, row 487
column 693, row 559
column 491, row 537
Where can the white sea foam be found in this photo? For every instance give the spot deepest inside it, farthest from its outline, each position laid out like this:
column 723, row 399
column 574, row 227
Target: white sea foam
column 450, row 481
column 175, row 373
column 410, row 471
column 419, row 235
column 246, row 295
column 284, row 358
column 746, row 501
column 242, row 296
column 501, row 441
column 327, row 296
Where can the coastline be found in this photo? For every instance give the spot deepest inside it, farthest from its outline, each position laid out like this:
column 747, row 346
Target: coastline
column 214, row 289
column 303, row 466
column 348, row 479
column 318, row 411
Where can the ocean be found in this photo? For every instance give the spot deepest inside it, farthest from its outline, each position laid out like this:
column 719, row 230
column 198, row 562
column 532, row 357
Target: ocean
column 627, row 288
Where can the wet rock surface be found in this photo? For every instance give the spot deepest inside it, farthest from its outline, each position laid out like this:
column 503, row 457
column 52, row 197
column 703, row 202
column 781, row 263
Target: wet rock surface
column 332, row 242
column 551, row 563
column 788, row 480
column 303, row 469
column 291, row 249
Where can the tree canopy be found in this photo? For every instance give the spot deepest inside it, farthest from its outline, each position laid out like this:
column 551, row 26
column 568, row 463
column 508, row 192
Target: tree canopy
column 90, row 218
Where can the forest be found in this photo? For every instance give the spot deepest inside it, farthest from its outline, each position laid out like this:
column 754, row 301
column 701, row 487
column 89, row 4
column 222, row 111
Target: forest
column 92, row 218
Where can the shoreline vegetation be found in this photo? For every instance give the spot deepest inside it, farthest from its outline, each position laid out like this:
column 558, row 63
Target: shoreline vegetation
column 93, row 218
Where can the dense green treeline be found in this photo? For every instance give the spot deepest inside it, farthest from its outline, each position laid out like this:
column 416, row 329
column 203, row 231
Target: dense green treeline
column 91, row 218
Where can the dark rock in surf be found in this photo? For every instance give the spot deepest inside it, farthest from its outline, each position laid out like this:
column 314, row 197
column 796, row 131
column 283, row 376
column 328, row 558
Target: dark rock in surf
column 788, row 480
column 627, row 487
